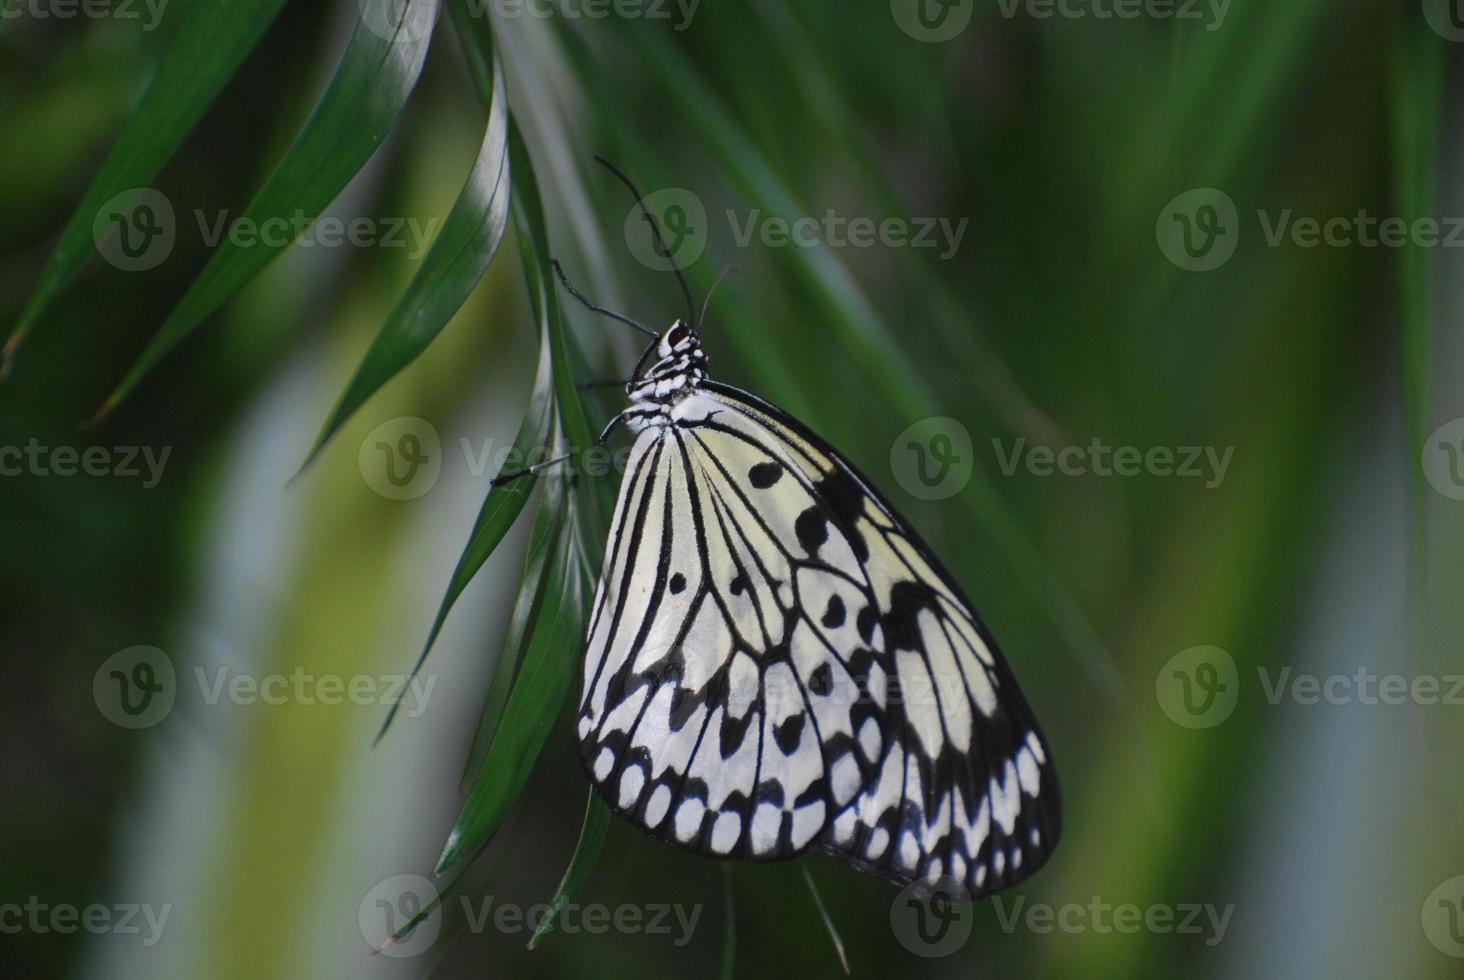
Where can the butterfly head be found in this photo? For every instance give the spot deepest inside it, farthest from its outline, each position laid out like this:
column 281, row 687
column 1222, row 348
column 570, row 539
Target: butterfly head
column 680, row 341
column 679, row 367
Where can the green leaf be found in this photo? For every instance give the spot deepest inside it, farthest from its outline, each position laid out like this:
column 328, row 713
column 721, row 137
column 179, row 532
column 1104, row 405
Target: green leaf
column 1417, row 95
column 456, row 262
column 501, row 508
column 550, row 661
column 376, row 74
column 728, row 967
column 591, row 838
column 542, row 540
column 548, row 668
column 212, row 41
column 824, row 914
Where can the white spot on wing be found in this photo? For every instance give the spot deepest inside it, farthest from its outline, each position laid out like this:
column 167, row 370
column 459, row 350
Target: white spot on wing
column 726, row 831
column 660, row 802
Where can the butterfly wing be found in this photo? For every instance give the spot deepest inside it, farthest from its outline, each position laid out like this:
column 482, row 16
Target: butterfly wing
column 777, row 664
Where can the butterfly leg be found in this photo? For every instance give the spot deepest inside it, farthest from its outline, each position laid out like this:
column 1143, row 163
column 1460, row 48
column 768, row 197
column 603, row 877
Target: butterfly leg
column 538, row 468
column 590, row 305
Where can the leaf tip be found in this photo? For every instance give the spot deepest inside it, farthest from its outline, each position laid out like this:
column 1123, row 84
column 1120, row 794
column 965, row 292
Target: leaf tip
column 99, row 416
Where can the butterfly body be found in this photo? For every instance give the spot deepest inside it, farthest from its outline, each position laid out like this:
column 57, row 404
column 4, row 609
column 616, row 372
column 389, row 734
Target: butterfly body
column 776, row 664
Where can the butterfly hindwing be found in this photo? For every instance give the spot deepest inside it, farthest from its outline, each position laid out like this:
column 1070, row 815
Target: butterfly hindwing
column 776, row 664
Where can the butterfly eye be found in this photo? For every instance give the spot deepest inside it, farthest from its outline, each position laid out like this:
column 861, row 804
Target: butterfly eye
column 677, row 335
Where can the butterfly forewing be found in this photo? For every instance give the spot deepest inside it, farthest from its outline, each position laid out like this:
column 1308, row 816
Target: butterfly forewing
column 775, row 665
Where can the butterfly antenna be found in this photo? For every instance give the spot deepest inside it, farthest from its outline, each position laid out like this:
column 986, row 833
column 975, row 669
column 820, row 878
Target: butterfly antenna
column 655, row 230
column 706, row 304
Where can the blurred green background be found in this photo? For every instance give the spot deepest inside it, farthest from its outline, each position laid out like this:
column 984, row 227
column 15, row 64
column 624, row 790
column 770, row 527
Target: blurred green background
column 1298, row 830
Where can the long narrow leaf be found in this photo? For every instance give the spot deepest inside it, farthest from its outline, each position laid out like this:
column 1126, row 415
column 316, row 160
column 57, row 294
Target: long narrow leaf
column 823, row 913
column 501, row 508
column 543, row 540
column 532, row 707
column 456, row 262
column 586, row 852
column 212, row 41
column 376, row 75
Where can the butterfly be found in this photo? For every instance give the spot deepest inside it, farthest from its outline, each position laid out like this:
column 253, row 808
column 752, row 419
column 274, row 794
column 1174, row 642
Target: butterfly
column 776, row 664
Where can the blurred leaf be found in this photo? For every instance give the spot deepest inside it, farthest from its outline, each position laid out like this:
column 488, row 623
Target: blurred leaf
column 1417, row 103
column 212, row 42
column 456, row 262
column 542, row 541
column 592, row 836
column 370, row 88
column 728, row 968
column 824, row 914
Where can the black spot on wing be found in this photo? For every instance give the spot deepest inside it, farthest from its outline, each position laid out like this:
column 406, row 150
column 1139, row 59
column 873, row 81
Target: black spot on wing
column 833, row 616
column 901, row 621
column 734, row 730
column 790, row 733
column 678, row 584
column 764, row 475
column 812, row 529
column 844, row 499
